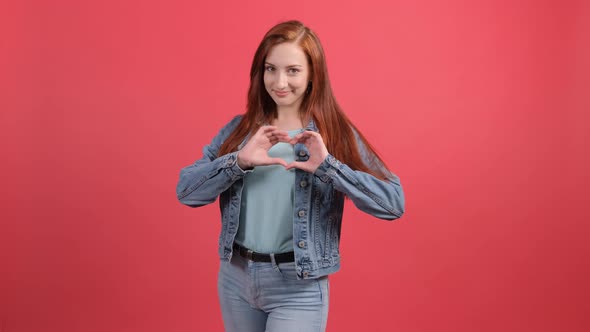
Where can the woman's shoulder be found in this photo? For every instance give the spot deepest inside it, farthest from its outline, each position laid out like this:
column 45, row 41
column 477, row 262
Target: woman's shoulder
column 229, row 127
column 233, row 123
column 235, row 120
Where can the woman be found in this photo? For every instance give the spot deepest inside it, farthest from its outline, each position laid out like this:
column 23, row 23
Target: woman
column 281, row 172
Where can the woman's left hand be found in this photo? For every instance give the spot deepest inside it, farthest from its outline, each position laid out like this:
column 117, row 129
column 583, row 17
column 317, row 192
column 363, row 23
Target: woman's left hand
column 317, row 151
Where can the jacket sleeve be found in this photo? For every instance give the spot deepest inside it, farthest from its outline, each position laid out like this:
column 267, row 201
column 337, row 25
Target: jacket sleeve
column 380, row 198
column 202, row 182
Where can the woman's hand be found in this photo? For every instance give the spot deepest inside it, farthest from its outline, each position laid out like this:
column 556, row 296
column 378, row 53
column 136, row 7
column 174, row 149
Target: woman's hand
column 255, row 152
column 317, row 151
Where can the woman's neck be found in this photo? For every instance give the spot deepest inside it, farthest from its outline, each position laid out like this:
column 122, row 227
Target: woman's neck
column 287, row 119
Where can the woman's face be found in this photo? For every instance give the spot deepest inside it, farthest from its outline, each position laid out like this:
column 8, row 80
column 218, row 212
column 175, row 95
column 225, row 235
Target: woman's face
column 286, row 75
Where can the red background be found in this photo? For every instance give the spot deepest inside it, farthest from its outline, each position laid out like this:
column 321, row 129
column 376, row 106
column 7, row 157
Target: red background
column 481, row 107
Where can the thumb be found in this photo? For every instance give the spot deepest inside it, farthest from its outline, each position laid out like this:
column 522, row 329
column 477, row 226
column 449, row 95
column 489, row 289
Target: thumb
column 294, row 164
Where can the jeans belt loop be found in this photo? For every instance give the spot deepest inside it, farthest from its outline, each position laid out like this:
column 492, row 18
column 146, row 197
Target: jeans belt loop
column 249, row 254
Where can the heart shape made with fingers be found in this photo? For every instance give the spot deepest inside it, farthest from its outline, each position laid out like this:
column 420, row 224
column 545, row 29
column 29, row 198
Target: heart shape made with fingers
column 255, row 152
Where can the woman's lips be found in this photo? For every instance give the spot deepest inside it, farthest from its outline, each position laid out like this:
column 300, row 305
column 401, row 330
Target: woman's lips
column 281, row 93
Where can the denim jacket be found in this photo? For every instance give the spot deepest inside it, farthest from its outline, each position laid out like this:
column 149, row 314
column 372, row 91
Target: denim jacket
column 318, row 203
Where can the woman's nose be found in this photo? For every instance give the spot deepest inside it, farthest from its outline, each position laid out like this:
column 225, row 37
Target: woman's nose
column 282, row 81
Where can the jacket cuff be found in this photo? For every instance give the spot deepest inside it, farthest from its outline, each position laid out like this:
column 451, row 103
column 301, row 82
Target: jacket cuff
column 328, row 168
column 230, row 164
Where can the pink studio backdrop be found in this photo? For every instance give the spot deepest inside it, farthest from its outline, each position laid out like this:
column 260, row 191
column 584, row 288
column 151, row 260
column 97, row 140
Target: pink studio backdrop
column 481, row 107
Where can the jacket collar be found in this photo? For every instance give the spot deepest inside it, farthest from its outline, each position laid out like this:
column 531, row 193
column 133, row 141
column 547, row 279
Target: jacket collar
column 311, row 126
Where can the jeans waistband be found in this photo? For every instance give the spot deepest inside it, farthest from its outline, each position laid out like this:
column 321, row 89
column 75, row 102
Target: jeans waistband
column 258, row 257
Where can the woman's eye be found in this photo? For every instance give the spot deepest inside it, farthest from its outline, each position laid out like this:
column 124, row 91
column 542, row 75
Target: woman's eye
column 293, row 70
column 269, row 68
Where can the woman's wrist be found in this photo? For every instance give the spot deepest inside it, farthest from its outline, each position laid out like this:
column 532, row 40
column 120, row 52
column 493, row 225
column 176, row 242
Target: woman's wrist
column 243, row 165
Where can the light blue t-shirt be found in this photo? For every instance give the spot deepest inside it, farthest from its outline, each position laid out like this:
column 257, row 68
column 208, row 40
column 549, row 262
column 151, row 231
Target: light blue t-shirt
column 266, row 211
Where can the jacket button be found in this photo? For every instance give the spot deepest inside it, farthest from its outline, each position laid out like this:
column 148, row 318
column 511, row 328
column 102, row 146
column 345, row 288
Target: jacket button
column 302, row 153
column 303, row 184
column 301, row 213
column 305, row 274
column 301, row 244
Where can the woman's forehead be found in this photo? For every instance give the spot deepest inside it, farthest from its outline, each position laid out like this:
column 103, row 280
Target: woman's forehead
column 286, row 54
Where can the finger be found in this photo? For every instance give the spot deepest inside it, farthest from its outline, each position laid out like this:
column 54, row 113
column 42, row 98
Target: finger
column 314, row 136
column 266, row 129
column 274, row 137
column 262, row 131
column 306, row 135
column 298, row 139
column 276, row 140
column 295, row 164
column 284, row 139
column 278, row 135
column 276, row 132
column 304, row 140
column 281, row 133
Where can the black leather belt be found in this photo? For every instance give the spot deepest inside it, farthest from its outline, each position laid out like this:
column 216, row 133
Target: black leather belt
column 258, row 257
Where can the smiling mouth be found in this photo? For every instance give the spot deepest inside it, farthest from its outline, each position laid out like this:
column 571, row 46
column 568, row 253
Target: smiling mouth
column 281, row 93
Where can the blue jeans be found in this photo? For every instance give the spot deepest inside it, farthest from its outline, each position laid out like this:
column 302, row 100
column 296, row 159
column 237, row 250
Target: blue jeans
column 257, row 297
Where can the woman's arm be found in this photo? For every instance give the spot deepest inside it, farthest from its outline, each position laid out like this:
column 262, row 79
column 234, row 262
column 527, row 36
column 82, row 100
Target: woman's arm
column 381, row 198
column 202, row 182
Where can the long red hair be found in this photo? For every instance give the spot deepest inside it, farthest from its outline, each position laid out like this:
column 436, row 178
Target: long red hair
column 318, row 104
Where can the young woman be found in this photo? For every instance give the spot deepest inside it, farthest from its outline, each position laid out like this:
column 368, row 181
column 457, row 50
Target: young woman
column 281, row 172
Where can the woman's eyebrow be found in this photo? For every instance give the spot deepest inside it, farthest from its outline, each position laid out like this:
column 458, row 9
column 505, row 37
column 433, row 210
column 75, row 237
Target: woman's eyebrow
column 289, row 66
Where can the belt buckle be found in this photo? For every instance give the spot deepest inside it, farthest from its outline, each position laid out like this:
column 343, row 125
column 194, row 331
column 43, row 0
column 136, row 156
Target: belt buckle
column 249, row 254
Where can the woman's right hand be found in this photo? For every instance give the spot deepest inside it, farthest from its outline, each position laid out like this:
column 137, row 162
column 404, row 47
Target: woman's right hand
column 255, row 152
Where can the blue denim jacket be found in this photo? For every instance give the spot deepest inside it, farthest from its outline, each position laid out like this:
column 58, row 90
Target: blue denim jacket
column 318, row 204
